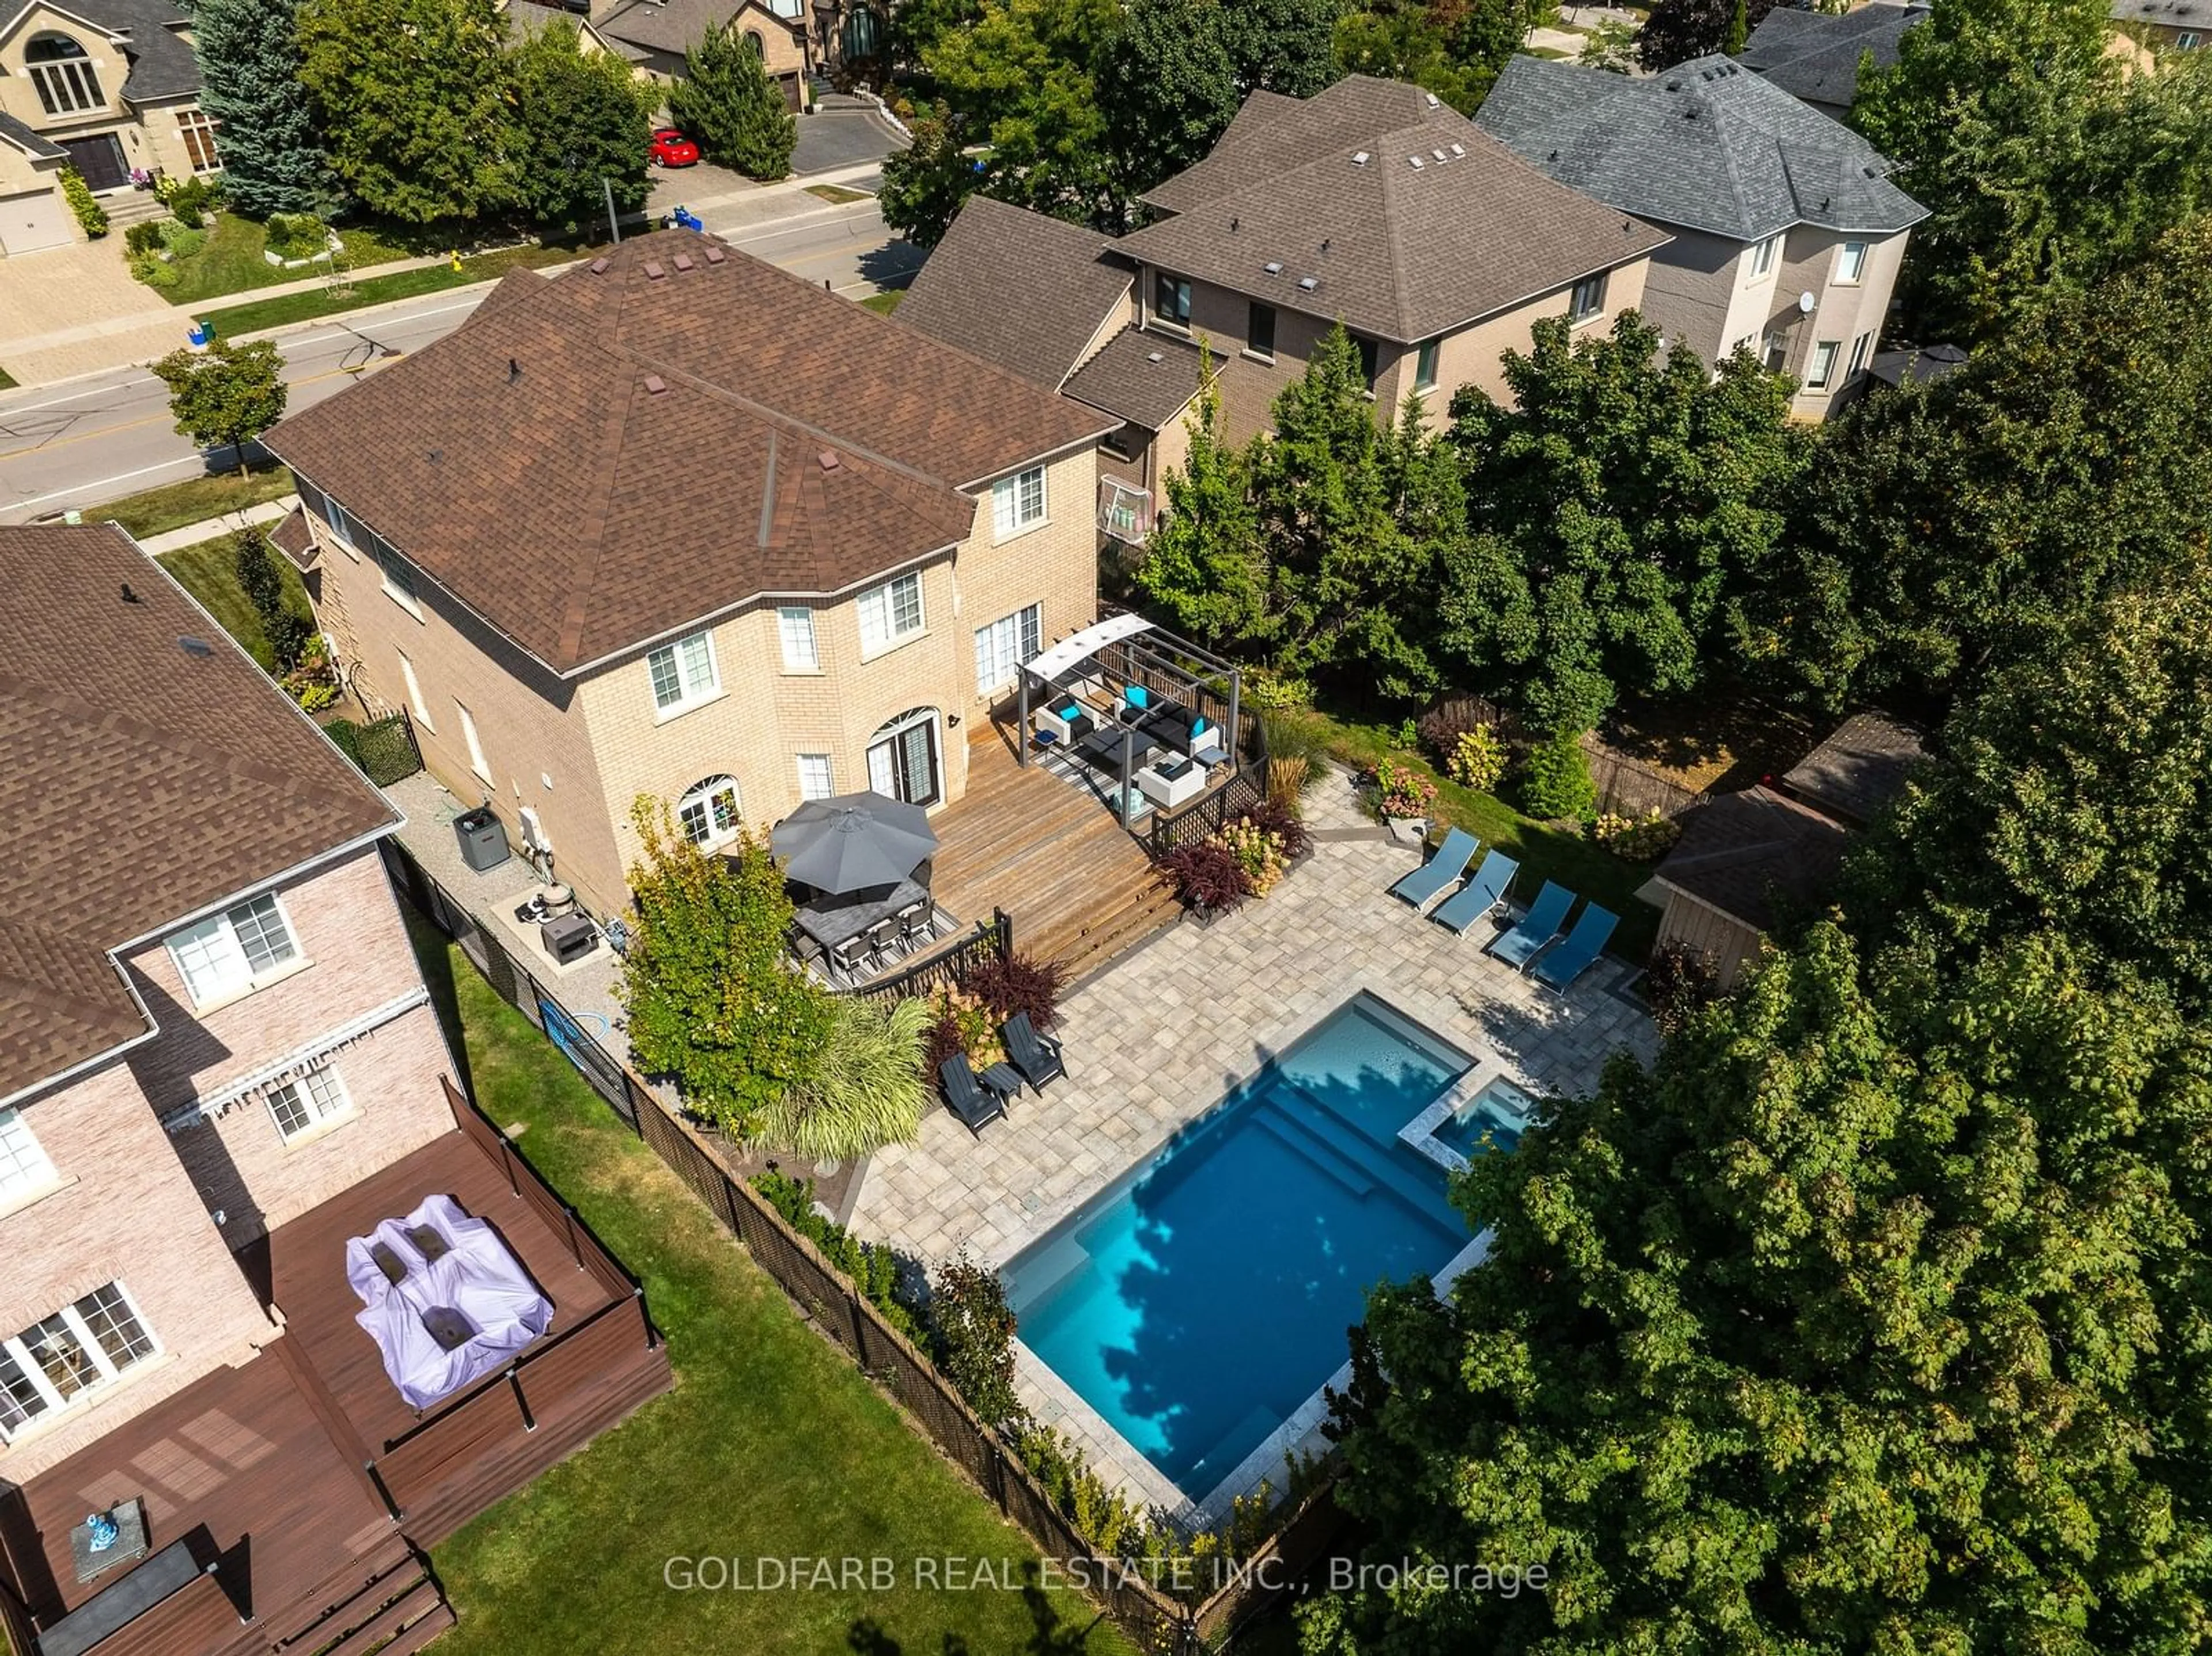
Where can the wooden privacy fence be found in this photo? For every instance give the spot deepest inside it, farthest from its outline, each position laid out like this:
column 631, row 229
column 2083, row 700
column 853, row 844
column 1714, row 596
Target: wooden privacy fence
column 1628, row 788
column 1156, row 1619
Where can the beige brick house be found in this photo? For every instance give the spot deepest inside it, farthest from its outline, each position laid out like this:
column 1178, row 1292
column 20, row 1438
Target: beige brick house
column 211, row 1020
column 679, row 524
column 107, row 86
column 1371, row 204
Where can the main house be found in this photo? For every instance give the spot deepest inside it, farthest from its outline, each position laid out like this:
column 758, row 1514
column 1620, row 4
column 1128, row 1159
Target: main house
column 679, row 524
column 1787, row 233
column 1372, row 204
column 106, row 87
column 218, row 1061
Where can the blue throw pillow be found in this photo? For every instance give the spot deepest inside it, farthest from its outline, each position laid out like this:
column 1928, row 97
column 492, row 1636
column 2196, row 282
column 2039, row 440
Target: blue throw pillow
column 1068, row 712
column 1198, row 726
column 1137, row 696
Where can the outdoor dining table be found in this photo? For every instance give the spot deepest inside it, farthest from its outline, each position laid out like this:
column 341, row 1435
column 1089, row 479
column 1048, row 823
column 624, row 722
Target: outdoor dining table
column 832, row 926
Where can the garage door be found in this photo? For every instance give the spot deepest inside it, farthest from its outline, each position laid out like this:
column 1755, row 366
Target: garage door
column 99, row 159
column 40, row 219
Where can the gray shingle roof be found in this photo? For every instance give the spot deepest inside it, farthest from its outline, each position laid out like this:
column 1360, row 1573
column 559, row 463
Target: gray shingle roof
column 15, row 132
column 1859, row 769
column 1019, row 290
column 1754, row 855
column 1145, row 378
column 1404, row 217
column 160, row 58
column 2167, row 13
column 676, row 26
column 1815, row 56
column 1707, row 145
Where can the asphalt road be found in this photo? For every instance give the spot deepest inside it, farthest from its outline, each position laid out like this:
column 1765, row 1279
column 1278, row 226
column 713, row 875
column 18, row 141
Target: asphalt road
column 93, row 440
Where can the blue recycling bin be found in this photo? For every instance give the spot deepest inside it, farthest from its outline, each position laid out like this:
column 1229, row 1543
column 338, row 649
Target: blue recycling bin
column 200, row 335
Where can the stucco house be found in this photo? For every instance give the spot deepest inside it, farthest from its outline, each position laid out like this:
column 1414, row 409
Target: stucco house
column 1787, row 234
column 1372, row 203
column 104, row 86
column 680, row 524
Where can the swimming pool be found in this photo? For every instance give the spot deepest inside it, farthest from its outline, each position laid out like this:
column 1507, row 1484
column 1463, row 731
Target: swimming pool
column 1492, row 1120
column 1198, row 1301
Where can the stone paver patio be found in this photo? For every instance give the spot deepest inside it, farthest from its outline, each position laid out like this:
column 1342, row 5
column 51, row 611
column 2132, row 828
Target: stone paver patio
column 1155, row 1041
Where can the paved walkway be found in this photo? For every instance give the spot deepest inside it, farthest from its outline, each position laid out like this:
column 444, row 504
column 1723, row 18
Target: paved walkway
column 65, row 310
column 230, row 522
column 1160, row 1038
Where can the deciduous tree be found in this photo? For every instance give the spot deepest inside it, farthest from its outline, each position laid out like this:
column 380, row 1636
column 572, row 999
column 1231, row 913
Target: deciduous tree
column 579, row 120
column 1169, row 87
column 1022, row 77
column 273, row 157
column 1679, row 30
column 925, row 183
column 228, row 395
column 1284, row 45
column 727, row 103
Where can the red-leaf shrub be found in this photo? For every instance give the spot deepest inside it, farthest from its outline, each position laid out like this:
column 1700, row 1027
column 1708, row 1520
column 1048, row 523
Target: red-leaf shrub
column 1276, row 818
column 1017, row 983
column 1207, row 876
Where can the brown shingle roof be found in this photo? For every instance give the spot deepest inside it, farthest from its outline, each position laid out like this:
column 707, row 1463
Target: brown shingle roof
column 796, row 443
column 676, row 26
column 1437, row 225
column 144, row 782
column 1017, row 288
column 1147, row 377
column 1753, row 853
column 295, row 540
column 1859, row 769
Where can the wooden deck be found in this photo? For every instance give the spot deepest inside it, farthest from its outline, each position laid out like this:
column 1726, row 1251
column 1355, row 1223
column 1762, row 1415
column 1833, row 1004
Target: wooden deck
column 1077, row 886
column 302, row 1477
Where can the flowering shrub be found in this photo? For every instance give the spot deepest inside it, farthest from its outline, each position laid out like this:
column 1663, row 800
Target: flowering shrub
column 1636, row 839
column 960, row 1022
column 1258, row 853
column 1282, row 820
column 1477, row 759
column 1400, row 790
column 1207, row 876
column 313, row 682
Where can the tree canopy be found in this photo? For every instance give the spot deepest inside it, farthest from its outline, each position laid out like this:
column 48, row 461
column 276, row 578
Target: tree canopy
column 227, row 394
column 727, row 103
column 1679, row 30
column 579, row 118
column 274, row 156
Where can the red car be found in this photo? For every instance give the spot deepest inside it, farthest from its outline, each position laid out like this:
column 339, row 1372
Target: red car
column 672, row 148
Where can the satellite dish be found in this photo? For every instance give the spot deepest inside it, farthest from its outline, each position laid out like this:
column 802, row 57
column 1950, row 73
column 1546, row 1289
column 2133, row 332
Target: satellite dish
column 1806, row 303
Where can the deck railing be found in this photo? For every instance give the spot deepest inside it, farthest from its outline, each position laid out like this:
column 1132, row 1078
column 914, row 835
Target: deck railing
column 992, row 939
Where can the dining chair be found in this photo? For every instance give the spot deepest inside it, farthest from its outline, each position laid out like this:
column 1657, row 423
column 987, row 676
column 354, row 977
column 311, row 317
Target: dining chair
column 845, row 957
column 914, row 927
column 882, row 937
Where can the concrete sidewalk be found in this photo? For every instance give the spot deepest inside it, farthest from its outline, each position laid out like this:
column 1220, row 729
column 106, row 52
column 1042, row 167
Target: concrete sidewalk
column 230, row 522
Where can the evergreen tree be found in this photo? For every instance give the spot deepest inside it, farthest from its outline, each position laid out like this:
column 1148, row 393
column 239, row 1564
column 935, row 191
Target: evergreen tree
column 579, row 119
column 727, row 105
column 274, row 159
column 1204, row 565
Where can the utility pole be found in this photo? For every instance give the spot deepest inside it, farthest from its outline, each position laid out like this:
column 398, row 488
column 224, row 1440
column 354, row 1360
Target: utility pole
column 613, row 224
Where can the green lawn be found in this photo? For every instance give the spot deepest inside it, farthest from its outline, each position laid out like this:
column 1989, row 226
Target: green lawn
column 174, row 506
column 837, row 192
column 1544, row 852
column 771, row 1446
column 232, row 260
column 7, row 380
column 257, row 314
column 884, row 304
column 208, row 572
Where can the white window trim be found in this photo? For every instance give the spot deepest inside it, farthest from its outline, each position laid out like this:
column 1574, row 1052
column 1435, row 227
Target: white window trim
column 783, row 615
column 1251, row 350
column 714, row 842
column 23, row 1195
column 1764, row 257
column 255, row 982
column 892, row 640
column 1843, row 257
column 1826, row 382
column 417, row 703
column 688, row 700
column 984, row 686
column 1160, row 318
column 341, row 525
column 57, row 1407
column 474, row 739
column 407, row 600
column 1021, row 525
column 320, row 1127
column 828, row 775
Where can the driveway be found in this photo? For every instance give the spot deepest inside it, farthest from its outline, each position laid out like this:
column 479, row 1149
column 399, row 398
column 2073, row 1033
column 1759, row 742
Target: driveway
column 835, row 138
column 70, row 309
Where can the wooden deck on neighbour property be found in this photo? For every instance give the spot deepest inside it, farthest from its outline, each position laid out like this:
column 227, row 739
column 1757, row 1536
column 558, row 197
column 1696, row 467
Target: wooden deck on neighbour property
column 302, row 1477
column 1076, row 884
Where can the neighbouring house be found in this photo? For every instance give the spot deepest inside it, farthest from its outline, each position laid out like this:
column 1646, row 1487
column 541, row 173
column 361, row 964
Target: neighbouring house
column 219, row 1061
column 526, row 18
column 2166, row 25
column 1372, row 204
column 1746, row 861
column 680, row 524
column 1815, row 56
column 1787, row 233
column 841, row 40
column 107, row 87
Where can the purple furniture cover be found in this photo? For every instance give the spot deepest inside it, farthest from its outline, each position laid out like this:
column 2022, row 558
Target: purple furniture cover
column 477, row 1277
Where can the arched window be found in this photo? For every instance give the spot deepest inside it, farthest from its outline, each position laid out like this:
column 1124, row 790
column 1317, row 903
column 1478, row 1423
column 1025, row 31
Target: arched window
column 64, row 75
column 903, row 758
column 709, row 812
column 753, row 40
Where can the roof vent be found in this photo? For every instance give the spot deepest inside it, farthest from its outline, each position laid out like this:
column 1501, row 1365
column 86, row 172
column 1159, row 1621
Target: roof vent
column 514, row 371
column 1416, row 159
column 715, row 255
column 1307, row 284
column 683, row 261
column 1432, row 101
column 1673, row 85
column 1153, row 356
column 195, row 647
column 1273, row 267
column 1459, row 150
column 1439, row 155
column 1232, row 224
column 598, row 267
column 130, row 597
column 653, row 271
column 654, row 385
column 1360, row 158
column 829, row 460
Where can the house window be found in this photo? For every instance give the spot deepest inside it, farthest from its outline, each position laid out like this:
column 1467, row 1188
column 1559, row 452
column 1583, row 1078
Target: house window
column 477, row 763
column 1587, row 299
column 1862, row 348
column 1018, row 502
column 24, row 1165
column 753, row 40
column 1424, row 365
column 1762, row 256
column 1126, row 444
column 2188, row 42
column 1823, row 370
column 59, row 1359
column 415, row 698
column 399, row 579
column 903, row 758
column 892, row 612
column 1370, row 359
column 198, row 128
column 62, row 73
column 305, row 1100
column 1850, row 264
column 342, row 523
column 795, row 627
column 1260, row 332
column 1171, row 299
column 1005, row 644
column 682, row 673
column 814, row 780
column 239, row 949
column 708, row 811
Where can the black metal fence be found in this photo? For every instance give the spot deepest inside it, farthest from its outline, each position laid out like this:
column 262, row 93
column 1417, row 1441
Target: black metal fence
column 992, row 939
column 1169, row 831
column 385, row 749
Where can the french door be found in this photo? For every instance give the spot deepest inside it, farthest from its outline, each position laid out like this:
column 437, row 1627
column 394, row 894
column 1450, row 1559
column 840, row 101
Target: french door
column 902, row 760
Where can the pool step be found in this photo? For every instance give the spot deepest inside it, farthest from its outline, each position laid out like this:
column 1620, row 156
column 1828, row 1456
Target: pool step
column 1229, row 1451
column 1397, row 1173
column 1316, row 1150
column 1041, row 1276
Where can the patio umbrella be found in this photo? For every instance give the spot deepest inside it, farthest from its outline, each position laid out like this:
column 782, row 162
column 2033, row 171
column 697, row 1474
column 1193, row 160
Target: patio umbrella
column 853, row 842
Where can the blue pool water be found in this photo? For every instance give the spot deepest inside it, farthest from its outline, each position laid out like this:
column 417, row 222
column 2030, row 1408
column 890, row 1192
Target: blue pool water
column 1198, row 1301
column 1492, row 1120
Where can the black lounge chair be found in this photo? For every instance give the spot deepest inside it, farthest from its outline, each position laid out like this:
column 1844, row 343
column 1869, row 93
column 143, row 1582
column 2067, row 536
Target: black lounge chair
column 1037, row 1056
column 967, row 1097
